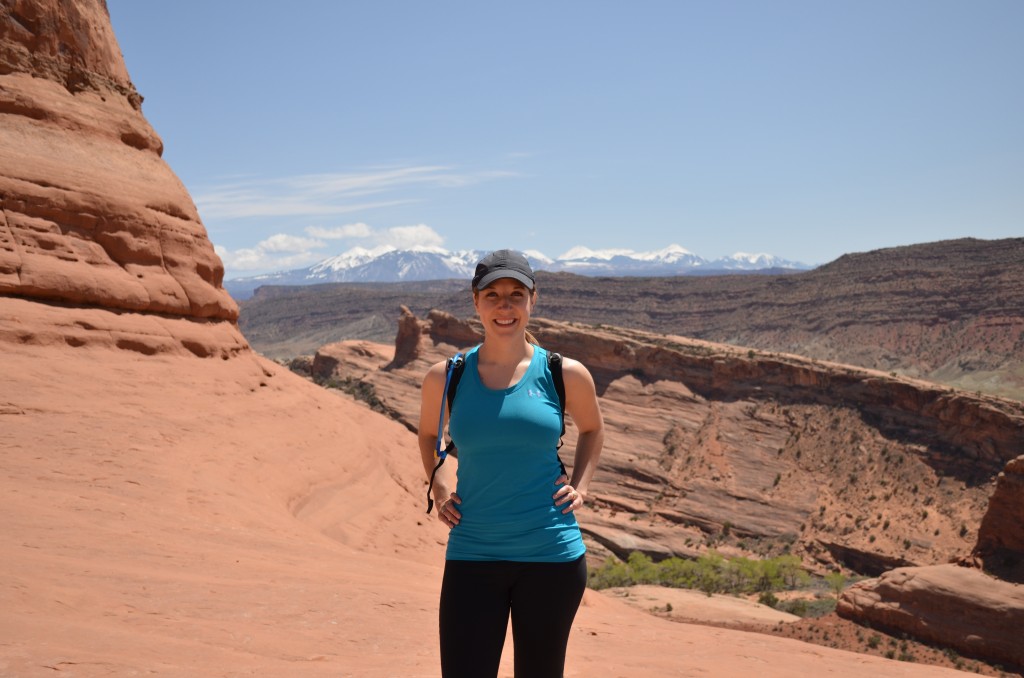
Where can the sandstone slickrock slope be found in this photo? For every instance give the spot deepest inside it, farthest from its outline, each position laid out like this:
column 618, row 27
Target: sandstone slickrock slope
column 756, row 453
column 961, row 608
column 174, row 504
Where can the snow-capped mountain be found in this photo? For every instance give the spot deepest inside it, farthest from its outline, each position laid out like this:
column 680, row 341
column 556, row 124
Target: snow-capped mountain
column 389, row 264
column 673, row 260
column 742, row 261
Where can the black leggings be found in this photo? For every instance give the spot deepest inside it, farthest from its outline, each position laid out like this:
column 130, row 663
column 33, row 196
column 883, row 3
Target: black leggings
column 476, row 599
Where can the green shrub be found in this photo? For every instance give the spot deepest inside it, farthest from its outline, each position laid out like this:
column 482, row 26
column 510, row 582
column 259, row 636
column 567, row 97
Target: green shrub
column 612, row 573
column 711, row 573
column 836, row 582
column 797, row 606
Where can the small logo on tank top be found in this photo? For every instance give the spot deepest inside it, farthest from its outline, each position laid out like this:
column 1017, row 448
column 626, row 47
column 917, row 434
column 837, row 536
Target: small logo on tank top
column 534, row 393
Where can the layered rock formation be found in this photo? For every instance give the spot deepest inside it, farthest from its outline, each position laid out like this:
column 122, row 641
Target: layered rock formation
column 754, row 453
column 91, row 217
column 945, row 311
column 709, row 444
column 956, row 607
column 977, row 610
column 1000, row 547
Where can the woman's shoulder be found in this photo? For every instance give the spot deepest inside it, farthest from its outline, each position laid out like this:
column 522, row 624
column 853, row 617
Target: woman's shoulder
column 438, row 370
column 574, row 372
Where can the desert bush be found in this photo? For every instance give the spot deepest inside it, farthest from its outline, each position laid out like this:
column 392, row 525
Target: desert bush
column 711, row 573
column 836, row 582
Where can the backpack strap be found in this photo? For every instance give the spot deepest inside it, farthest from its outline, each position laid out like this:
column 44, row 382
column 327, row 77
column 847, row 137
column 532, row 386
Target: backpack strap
column 453, row 372
column 555, row 367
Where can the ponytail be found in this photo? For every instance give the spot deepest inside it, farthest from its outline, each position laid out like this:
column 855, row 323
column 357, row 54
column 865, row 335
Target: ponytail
column 530, row 339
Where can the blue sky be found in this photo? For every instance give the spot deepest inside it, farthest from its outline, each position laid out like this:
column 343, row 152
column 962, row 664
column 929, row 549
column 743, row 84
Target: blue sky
column 803, row 129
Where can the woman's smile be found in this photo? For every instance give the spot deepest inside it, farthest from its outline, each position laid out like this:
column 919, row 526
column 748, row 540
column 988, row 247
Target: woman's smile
column 505, row 304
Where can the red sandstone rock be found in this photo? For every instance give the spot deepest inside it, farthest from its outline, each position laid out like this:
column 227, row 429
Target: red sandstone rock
column 89, row 212
column 181, row 516
column 1001, row 536
column 175, row 516
column 962, row 608
column 849, row 465
column 407, row 345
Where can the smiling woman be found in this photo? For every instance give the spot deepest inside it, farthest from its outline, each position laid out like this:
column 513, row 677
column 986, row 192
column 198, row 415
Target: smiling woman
column 514, row 546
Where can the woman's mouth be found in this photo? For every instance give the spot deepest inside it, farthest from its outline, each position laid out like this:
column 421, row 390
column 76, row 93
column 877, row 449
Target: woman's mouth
column 506, row 322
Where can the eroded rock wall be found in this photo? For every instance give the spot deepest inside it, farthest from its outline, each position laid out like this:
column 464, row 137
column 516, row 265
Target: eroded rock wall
column 90, row 214
column 714, row 446
column 1000, row 547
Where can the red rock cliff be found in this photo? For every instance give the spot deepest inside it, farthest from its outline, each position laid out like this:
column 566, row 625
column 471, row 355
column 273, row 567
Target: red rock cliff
column 90, row 215
column 713, row 444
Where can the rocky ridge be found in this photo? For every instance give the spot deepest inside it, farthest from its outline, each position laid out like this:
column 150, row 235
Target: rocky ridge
column 945, row 311
column 745, row 450
column 876, row 474
column 1000, row 547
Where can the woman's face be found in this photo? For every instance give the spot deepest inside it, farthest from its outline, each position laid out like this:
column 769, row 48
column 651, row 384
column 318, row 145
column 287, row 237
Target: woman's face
column 504, row 306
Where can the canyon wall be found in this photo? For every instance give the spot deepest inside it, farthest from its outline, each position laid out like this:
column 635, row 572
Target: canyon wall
column 945, row 311
column 92, row 220
column 710, row 445
column 975, row 606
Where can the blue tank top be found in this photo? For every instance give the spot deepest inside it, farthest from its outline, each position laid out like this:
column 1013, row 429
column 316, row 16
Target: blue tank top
column 507, row 441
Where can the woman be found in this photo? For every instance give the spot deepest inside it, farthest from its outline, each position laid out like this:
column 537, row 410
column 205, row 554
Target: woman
column 514, row 546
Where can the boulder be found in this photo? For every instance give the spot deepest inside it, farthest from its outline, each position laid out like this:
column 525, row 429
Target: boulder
column 958, row 607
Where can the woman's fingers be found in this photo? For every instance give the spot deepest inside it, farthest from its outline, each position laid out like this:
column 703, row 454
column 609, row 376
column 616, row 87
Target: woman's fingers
column 567, row 495
column 447, row 511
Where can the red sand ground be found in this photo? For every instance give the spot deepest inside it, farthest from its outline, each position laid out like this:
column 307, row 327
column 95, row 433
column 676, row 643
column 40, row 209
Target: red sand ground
column 176, row 516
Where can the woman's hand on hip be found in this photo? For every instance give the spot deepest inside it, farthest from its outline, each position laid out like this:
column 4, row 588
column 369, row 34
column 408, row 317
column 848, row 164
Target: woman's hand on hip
column 567, row 495
column 447, row 512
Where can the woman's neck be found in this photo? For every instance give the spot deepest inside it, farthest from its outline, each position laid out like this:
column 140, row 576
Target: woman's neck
column 505, row 352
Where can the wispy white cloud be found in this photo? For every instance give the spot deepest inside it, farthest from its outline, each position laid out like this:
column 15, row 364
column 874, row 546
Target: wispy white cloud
column 401, row 237
column 348, row 231
column 283, row 242
column 331, row 193
column 304, row 206
column 266, row 256
column 410, row 237
column 282, row 251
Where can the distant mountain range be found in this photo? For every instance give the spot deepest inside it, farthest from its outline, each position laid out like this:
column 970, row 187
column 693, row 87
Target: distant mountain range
column 389, row 264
